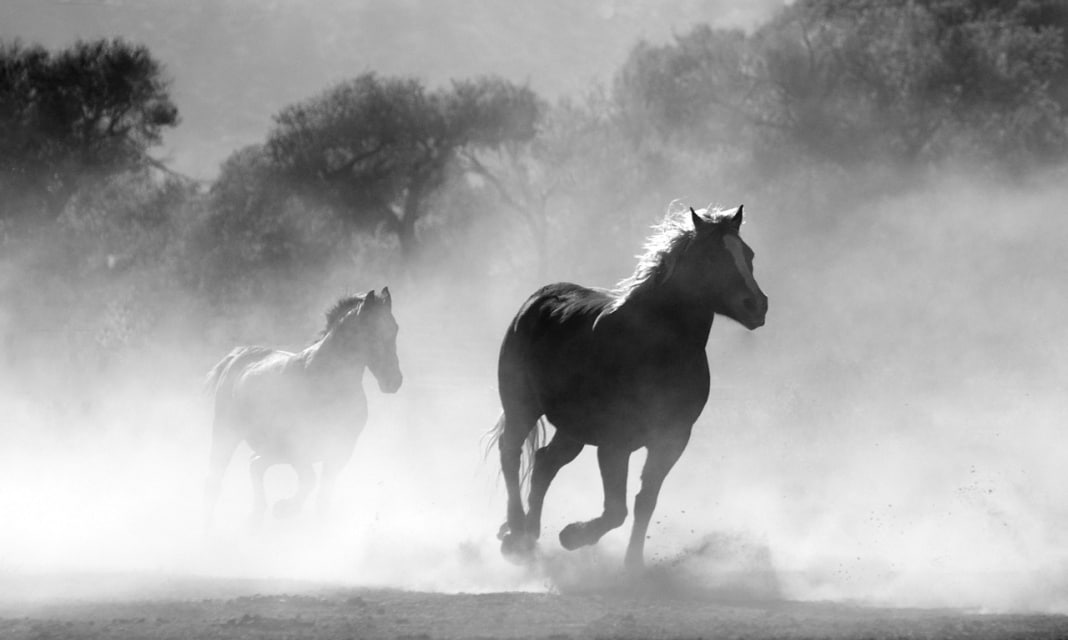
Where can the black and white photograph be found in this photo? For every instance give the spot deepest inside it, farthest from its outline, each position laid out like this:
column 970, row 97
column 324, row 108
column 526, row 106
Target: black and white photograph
column 475, row 319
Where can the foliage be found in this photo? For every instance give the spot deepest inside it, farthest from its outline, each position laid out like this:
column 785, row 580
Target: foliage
column 71, row 117
column 376, row 148
column 850, row 81
column 254, row 229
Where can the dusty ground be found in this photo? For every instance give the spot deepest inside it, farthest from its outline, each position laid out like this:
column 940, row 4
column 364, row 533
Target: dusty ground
column 118, row 607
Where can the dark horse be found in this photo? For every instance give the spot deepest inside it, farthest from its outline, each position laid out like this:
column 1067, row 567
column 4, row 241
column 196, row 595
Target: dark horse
column 620, row 370
column 302, row 408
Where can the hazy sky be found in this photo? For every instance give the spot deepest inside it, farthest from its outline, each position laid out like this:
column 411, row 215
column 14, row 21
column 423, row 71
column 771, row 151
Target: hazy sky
column 234, row 63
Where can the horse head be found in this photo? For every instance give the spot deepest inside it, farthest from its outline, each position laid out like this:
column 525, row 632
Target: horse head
column 371, row 330
column 723, row 264
column 381, row 340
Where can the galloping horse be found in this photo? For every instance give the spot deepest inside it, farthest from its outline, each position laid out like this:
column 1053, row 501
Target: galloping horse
column 620, row 370
column 302, row 408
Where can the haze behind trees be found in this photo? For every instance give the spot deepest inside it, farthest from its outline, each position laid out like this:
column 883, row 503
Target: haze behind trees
column 391, row 176
column 901, row 166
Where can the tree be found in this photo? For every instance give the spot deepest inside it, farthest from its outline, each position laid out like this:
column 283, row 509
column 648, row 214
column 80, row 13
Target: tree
column 847, row 81
column 255, row 228
column 377, row 148
column 917, row 81
column 696, row 92
column 87, row 112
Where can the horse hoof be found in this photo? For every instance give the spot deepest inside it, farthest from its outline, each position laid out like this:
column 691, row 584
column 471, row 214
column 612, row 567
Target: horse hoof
column 573, row 536
column 517, row 548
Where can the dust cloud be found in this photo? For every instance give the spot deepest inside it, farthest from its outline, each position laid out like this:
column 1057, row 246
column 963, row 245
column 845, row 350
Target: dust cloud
column 891, row 436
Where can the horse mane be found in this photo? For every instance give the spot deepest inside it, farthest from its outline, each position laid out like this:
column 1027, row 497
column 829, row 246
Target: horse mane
column 340, row 309
column 668, row 242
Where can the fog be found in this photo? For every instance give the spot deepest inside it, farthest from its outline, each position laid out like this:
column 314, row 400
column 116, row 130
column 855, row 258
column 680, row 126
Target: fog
column 892, row 436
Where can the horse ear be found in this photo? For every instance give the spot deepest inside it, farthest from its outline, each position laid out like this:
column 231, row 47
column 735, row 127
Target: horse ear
column 386, row 298
column 736, row 219
column 698, row 221
column 370, row 300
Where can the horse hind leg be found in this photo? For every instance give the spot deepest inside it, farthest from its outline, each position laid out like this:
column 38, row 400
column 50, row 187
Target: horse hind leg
column 514, row 427
column 224, row 441
column 257, row 470
column 305, row 484
column 613, row 462
column 548, row 460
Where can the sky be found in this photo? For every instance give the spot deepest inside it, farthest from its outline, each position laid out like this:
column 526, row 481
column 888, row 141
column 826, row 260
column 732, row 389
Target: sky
column 235, row 63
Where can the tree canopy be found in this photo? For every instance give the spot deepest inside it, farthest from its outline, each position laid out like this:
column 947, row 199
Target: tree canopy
column 846, row 81
column 376, row 148
column 91, row 110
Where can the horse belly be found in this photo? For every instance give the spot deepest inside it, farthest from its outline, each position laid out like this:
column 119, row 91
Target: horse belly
column 291, row 427
column 625, row 405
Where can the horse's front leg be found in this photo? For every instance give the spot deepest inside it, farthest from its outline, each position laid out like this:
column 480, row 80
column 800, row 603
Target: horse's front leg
column 659, row 461
column 613, row 462
column 327, row 479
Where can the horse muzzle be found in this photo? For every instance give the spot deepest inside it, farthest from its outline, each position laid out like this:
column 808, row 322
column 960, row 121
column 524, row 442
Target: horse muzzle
column 390, row 384
column 753, row 312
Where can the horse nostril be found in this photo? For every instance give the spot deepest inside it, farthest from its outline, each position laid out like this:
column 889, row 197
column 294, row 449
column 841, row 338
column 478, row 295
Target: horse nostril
column 750, row 305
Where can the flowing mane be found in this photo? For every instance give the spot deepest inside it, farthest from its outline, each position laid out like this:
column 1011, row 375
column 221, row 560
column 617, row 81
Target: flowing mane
column 340, row 309
column 639, row 380
column 670, row 238
column 301, row 409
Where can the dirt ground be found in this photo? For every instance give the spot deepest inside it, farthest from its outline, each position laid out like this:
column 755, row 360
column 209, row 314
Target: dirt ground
column 119, row 607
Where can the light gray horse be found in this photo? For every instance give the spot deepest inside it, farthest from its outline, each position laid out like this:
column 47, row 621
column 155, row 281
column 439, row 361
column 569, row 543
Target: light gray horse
column 302, row 408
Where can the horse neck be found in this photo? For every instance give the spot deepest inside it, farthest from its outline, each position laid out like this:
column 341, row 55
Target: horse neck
column 687, row 314
column 328, row 357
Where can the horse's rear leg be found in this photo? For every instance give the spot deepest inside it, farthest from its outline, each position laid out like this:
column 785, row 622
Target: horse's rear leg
column 257, row 469
column 613, row 462
column 515, row 427
column 548, row 460
column 305, row 484
column 224, row 441
column 661, row 458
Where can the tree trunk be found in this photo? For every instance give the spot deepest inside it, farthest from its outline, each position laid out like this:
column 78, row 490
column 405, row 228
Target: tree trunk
column 413, row 204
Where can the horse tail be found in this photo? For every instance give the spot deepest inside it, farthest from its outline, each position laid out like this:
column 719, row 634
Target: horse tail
column 533, row 442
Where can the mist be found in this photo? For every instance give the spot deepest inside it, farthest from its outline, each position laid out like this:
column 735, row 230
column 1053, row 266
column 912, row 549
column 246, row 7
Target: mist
column 889, row 437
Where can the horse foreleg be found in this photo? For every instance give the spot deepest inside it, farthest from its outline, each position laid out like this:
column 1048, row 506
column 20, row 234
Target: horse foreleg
column 547, row 462
column 327, row 478
column 613, row 462
column 658, row 463
column 305, row 484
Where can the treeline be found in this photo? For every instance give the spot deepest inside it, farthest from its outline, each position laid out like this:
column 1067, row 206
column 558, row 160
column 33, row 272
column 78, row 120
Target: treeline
column 483, row 178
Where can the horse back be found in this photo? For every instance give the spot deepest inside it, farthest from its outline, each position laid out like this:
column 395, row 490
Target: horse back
column 225, row 371
column 597, row 374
